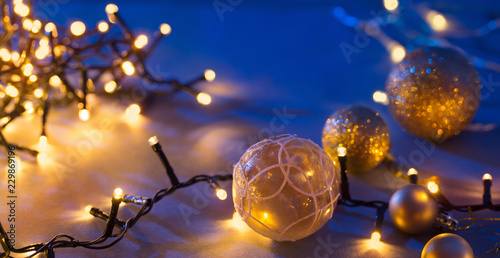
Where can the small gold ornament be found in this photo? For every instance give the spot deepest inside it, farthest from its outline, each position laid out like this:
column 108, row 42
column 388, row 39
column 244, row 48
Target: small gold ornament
column 413, row 209
column 447, row 245
column 285, row 187
column 434, row 92
column 362, row 131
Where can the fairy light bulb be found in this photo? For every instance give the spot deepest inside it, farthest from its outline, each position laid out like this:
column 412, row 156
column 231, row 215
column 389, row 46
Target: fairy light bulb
column 88, row 208
column 433, row 187
column 203, row 98
column 50, row 27
column 132, row 112
column 128, row 68
column 42, row 158
column 398, row 52
column 391, row 5
column 487, row 177
column 15, row 56
column 102, row 26
column 43, row 143
column 141, row 41
column 209, row 75
column 376, row 236
column 117, row 194
column 412, row 171
column 21, row 9
column 11, row 91
column 27, row 69
column 27, row 24
column 77, row 28
column 165, row 29
column 33, row 78
column 381, row 97
column 341, row 151
column 153, row 140
column 38, row 93
column 28, row 105
column 37, row 25
column 84, row 114
column 110, row 86
column 436, row 21
column 221, row 193
column 5, row 55
column 55, row 81
column 111, row 8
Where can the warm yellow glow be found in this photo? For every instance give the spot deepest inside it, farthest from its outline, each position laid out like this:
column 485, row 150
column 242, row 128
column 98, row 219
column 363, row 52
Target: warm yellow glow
column 84, row 114
column 437, row 21
column 102, row 26
column 132, row 112
column 55, row 81
column 21, row 9
column 376, row 236
column 4, row 120
column 341, row 151
column 398, row 53
column 28, row 105
column 153, row 140
column 118, row 193
column 42, row 158
column 141, row 41
column 203, row 98
column 88, row 208
column 11, row 91
column 391, row 5
column 49, row 27
column 487, row 177
column 309, row 173
column 110, row 86
column 238, row 223
column 111, row 8
column 27, row 24
column 27, row 69
column 38, row 93
column 42, row 52
column 433, row 187
column 412, row 171
column 5, row 55
column 128, row 68
column 77, row 28
column 44, row 41
column 221, row 193
column 37, row 25
column 165, row 29
column 380, row 97
column 15, row 56
column 33, row 78
column 209, row 75
column 43, row 144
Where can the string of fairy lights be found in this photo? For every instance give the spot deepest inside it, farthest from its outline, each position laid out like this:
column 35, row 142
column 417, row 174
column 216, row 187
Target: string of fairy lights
column 44, row 66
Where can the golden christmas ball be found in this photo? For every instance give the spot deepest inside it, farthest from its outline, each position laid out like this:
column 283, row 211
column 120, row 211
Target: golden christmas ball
column 364, row 134
column 434, row 92
column 447, row 245
column 413, row 209
column 285, row 187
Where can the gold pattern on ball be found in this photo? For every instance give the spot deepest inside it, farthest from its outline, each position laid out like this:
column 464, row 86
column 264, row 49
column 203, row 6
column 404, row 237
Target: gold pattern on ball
column 285, row 187
column 434, row 93
column 362, row 131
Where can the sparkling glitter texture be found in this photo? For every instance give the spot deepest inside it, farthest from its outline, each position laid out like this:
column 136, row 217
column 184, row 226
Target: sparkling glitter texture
column 434, row 92
column 285, row 187
column 362, row 131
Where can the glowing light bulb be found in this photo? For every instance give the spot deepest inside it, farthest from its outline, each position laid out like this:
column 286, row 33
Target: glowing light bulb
column 42, row 158
column 38, row 93
column 88, row 208
column 84, row 114
column 203, row 98
column 111, row 8
column 102, row 26
column 132, row 112
column 433, row 187
column 376, row 236
column 381, row 97
column 153, row 140
column 43, row 144
column 77, row 28
column 436, row 21
column 27, row 24
column 5, row 120
column 37, row 25
column 21, row 9
column 221, row 193
column 42, row 52
column 141, row 41
column 391, row 5
column 209, row 75
column 27, row 69
column 165, row 29
column 128, row 68
column 110, row 86
column 11, row 91
column 28, row 105
column 33, row 78
column 15, row 56
column 5, row 55
column 487, row 177
column 341, row 151
column 50, row 27
column 398, row 53
column 55, row 81
column 412, row 171
column 266, row 215
column 118, row 193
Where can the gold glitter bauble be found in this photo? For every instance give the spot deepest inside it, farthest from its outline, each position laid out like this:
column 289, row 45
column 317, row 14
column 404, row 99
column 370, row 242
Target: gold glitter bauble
column 413, row 209
column 362, row 131
column 434, row 92
column 285, row 187
column 447, row 245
